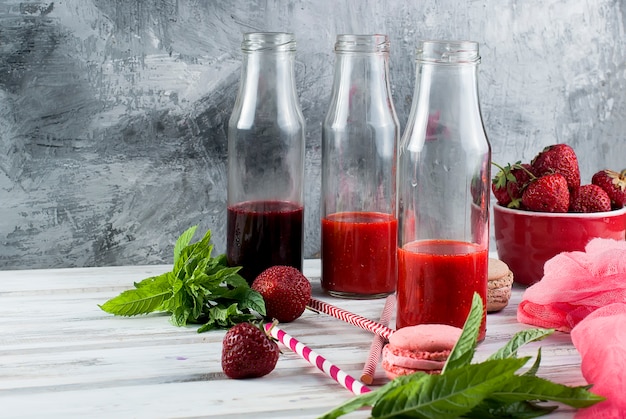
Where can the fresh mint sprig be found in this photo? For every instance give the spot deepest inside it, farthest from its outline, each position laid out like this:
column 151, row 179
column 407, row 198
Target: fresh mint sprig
column 489, row 389
column 200, row 289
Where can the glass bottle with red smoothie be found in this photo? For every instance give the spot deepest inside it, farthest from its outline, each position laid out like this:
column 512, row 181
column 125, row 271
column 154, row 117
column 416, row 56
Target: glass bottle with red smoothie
column 266, row 149
column 359, row 142
column 443, row 190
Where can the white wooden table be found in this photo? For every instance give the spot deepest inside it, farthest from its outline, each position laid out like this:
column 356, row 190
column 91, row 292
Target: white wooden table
column 61, row 356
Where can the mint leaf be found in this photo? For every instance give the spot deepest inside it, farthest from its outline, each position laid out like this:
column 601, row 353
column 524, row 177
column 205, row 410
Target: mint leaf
column 535, row 367
column 149, row 295
column 528, row 387
column 370, row 399
column 492, row 409
column 183, row 241
column 518, row 340
column 448, row 395
column 463, row 351
column 200, row 289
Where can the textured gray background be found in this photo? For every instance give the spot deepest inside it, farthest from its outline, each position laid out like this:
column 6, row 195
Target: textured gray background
column 113, row 114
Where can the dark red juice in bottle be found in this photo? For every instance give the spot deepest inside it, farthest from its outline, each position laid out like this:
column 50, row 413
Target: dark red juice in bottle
column 263, row 234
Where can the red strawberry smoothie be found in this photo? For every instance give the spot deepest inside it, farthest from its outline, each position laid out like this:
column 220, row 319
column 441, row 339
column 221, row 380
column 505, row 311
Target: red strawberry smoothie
column 437, row 280
column 359, row 254
column 263, row 234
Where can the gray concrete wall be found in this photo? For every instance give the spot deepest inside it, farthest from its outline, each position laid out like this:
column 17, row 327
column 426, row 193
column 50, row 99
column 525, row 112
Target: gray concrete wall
column 113, row 114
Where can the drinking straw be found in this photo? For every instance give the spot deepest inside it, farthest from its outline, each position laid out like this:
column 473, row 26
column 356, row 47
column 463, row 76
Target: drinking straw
column 349, row 317
column 317, row 360
column 367, row 376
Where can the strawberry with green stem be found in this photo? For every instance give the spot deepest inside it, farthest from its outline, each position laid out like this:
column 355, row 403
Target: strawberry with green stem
column 614, row 184
column 509, row 183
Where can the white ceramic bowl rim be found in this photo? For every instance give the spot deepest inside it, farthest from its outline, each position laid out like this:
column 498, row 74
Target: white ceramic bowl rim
column 603, row 214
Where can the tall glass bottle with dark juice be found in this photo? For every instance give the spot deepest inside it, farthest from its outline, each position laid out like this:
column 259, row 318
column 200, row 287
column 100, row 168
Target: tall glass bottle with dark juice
column 266, row 159
column 359, row 143
column 443, row 190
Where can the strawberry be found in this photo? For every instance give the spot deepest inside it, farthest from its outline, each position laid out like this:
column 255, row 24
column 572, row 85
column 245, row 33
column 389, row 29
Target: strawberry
column 509, row 183
column 285, row 290
column 558, row 158
column 548, row 193
column 614, row 184
column 248, row 351
column 589, row 198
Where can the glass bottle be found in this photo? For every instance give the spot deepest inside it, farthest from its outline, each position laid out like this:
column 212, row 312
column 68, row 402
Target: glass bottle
column 359, row 143
column 266, row 145
column 443, row 190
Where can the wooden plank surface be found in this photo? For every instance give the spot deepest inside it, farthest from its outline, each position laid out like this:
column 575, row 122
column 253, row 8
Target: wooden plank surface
column 61, row 356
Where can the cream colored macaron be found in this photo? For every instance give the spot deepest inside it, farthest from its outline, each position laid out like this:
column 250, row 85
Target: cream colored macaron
column 500, row 280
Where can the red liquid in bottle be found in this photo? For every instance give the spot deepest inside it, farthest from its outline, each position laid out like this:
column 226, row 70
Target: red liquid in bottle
column 359, row 254
column 263, row 234
column 437, row 280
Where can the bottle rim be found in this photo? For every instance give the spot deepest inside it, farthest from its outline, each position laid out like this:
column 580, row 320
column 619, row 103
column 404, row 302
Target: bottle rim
column 268, row 41
column 448, row 52
column 374, row 43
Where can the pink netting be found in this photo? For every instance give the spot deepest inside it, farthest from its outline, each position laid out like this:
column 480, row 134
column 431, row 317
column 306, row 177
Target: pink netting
column 576, row 284
column 601, row 340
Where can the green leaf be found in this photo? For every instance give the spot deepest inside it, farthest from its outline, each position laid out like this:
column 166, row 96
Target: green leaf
column 225, row 317
column 143, row 300
column 448, row 395
column 200, row 288
column 463, row 351
column 529, row 387
column 155, row 282
column 183, row 241
column 518, row 340
column 535, row 367
column 493, row 409
column 369, row 399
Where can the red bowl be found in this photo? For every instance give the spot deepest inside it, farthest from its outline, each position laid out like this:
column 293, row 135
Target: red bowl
column 525, row 240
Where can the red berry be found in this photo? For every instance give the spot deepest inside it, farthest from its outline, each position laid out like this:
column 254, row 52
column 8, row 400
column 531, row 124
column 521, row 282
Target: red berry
column 248, row 351
column 285, row 290
column 614, row 184
column 509, row 183
column 549, row 193
column 589, row 198
column 558, row 158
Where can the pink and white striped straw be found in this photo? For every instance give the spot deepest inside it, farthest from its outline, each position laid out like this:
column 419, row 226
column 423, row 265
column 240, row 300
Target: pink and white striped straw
column 349, row 317
column 315, row 359
column 369, row 369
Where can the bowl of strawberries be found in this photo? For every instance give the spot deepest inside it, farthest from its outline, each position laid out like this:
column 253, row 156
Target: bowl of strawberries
column 542, row 209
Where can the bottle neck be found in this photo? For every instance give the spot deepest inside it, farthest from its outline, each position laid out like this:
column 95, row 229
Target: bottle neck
column 360, row 86
column 268, row 83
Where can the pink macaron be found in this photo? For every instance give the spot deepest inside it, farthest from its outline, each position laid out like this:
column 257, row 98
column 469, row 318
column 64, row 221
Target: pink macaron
column 424, row 347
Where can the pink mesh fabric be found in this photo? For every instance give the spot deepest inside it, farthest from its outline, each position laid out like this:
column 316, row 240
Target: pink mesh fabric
column 576, row 284
column 601, row 340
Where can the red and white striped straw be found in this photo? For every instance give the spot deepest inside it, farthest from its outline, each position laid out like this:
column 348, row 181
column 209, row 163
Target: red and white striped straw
column 349, row 317
column 369, row 369
column 315, row 359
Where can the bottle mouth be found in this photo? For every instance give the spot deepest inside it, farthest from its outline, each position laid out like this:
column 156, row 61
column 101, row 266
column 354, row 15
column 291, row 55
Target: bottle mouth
column 268, row 41
column 448, row 52
column 362, row 43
